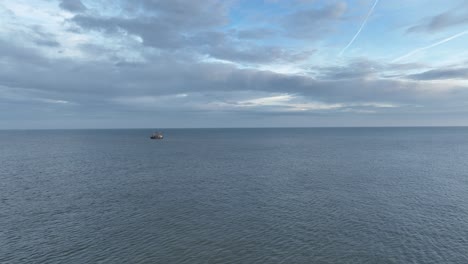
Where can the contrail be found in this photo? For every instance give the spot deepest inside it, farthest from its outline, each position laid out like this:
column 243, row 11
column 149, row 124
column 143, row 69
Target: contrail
column 360, row 28
column 430, row 46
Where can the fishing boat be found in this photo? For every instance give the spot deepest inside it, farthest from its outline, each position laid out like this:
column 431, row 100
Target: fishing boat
column 157, row 135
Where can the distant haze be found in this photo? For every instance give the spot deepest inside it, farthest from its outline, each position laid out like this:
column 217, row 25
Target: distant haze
column 235, row 63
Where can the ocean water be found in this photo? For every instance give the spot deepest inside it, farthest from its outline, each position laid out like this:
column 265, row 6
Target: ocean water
column 321, row 195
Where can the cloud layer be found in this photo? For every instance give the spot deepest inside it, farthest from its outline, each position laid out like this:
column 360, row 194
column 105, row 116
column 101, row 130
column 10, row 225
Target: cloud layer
column 216, row 63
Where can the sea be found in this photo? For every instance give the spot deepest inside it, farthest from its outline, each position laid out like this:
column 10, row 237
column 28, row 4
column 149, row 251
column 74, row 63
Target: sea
column 266, row 195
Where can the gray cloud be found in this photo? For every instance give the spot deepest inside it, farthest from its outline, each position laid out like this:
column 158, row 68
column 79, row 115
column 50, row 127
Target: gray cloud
column 312, row 23
column 362, row 68
column 100, row 90
column 156, row 59
column 153, row 31
column 72, row 5
column 451, row 18
column 441, row 74
column 255, row 33
column 164, row 24
column 42, row 37
column 257, row 54
column 356, row 69
column 177, row 24
column 192, row 25
column 47, row 42
column 157, row 20
column 94, row 82
column 213, row 43
column 187, row 13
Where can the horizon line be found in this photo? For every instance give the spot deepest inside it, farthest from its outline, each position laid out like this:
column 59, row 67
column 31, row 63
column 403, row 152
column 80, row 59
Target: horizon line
column 266, row 127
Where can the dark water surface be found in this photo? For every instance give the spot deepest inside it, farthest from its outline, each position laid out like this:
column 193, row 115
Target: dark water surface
column 360, row 195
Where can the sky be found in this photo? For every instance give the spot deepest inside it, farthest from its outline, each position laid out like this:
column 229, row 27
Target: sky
column 232, row 63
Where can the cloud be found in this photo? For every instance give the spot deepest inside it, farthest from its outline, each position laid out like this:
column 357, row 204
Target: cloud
column 451, row 18
column 19, row 96
column 153, row 31
column 92, row 81
column 177, row 61
column 188, row 25
column 43, row 38
column 187, row 13
column 255, row 33
column 314, row 22
column 413, row 52
column 163, row 24
column 355, row 69
column 74, row 6
column 212, row 43
column 441, row 74
column 257, row 54
column 285, row 102
column 171, row 69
